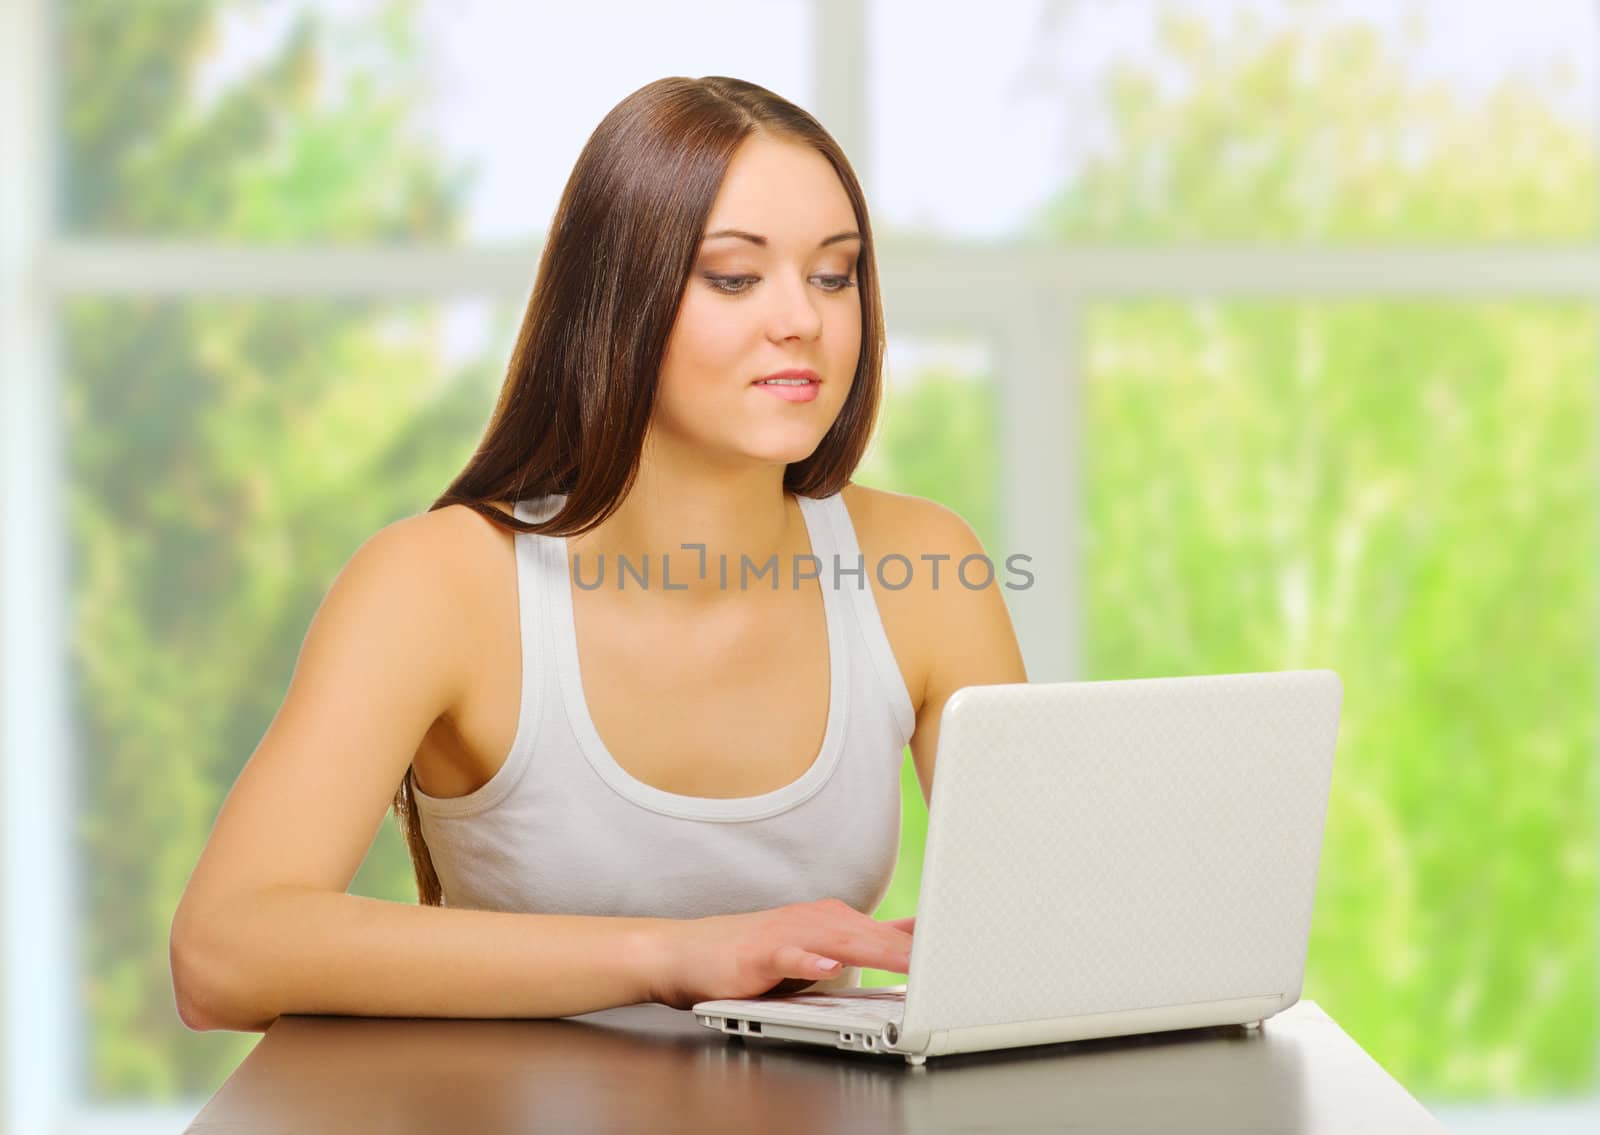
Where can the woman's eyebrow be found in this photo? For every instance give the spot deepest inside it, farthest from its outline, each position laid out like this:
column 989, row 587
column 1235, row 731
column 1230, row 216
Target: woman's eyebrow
column 756, row 239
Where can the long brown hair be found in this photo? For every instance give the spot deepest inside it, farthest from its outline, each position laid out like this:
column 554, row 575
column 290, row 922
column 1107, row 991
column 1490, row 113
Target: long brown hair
column 581, row 384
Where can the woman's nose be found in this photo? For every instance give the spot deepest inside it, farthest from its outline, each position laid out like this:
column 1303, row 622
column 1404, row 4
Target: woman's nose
column 795, row 311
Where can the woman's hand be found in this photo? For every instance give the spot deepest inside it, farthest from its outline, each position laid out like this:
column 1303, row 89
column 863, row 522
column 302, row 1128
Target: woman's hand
column 748, row 955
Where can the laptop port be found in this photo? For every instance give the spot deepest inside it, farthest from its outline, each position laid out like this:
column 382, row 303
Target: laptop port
column 755, row 1027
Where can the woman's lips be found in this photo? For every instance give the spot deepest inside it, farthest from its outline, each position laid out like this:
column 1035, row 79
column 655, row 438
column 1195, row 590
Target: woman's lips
column 790, row 392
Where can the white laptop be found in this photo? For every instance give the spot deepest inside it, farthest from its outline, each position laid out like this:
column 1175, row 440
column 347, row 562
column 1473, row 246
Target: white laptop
column 1103, row 858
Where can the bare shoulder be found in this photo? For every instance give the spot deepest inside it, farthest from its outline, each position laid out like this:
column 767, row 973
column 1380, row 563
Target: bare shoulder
column 954, row 633
column 466, row 545
column 424, row 561
column 898, row 524
column 456, row 522
column 451, row 561
column 910, row 525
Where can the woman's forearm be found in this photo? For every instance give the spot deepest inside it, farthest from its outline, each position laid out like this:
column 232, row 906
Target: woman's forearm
column 242, row 964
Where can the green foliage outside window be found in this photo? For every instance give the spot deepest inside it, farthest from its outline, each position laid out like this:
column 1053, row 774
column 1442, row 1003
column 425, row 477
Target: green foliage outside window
column 1403, row 491
column 226, row 458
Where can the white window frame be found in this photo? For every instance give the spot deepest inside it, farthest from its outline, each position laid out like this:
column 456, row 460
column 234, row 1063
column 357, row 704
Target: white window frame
column 1028, row 304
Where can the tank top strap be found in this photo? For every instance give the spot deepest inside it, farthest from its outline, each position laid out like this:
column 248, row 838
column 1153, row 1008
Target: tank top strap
column 534, row 637
column 537, row 557
column 853, row 575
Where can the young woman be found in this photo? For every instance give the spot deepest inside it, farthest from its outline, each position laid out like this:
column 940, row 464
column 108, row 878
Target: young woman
column 634, row 761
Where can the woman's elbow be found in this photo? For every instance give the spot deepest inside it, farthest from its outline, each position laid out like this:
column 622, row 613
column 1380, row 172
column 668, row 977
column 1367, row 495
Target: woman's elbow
column 204, row 982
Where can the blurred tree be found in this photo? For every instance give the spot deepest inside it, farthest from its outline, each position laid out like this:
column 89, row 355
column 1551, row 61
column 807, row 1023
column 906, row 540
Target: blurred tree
column 1312, row 128
column 226, row 457
column 1401, row 490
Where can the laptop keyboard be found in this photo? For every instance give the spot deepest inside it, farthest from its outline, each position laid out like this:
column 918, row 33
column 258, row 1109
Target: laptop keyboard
column 824, row 1008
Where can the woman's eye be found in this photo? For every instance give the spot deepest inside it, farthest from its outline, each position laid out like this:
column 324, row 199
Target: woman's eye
column 727, row 283
column 738, row 285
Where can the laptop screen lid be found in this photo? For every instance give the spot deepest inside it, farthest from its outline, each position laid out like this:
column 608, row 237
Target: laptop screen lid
column 1116, row 846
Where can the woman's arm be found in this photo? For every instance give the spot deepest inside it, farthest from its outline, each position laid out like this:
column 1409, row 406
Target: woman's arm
column 307, row 950
column 265, row 926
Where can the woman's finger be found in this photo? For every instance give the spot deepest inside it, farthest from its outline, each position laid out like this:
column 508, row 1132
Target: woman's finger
column 792, row 961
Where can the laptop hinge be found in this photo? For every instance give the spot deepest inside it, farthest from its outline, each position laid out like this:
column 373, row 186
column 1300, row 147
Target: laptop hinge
column 1055, row 1030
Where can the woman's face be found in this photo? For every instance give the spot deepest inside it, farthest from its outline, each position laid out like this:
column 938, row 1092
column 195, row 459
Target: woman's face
column 788, row 301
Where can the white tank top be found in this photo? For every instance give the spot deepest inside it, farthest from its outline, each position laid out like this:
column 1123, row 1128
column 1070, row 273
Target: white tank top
column 561, row 828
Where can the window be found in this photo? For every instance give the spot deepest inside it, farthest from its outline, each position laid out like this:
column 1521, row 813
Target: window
column 1265, row 328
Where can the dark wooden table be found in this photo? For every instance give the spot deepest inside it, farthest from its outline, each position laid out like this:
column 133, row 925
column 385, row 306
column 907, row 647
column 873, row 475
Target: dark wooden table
column 648, row 1068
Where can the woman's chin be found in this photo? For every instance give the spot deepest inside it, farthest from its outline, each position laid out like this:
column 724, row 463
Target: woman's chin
column 781, row 451
column 763, row 445
column 788, row 456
